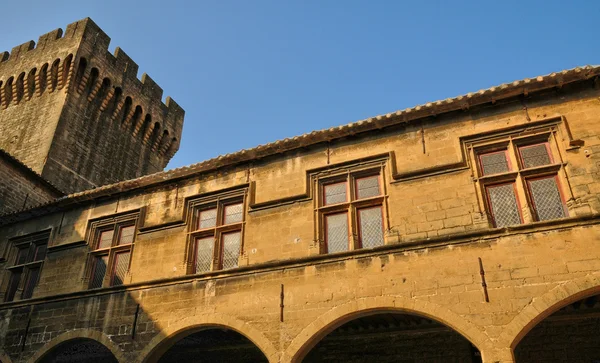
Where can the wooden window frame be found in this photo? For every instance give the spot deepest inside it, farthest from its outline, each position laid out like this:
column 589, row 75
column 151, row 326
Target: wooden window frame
column 359, row 224
column 554, row 176
column 512, row 145
column 116, row 225
column 494, row 151
column 489, row 203
column 351, row 206
column 31, row 243
column 519, row 149
column 220, row 203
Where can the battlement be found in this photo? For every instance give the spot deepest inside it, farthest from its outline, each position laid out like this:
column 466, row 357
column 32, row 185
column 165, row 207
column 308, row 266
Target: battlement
column 81, row 55
column 81, row 33
column 69, row 82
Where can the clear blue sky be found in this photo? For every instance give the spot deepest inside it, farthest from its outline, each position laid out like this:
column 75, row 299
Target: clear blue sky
column 251, row 72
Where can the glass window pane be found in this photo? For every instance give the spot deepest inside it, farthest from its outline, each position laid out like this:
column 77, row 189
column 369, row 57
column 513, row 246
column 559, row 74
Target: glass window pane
column 126, row 235
column 503, row 202
column 335, row 193
column 40, row 252
column 371, row 227
column 494, row 163
column 233, row 213
column 13, row 284
column 98, row 271
column 534, row 155
column 204, row 253
column 546, row 199
column 121, row 265
column 231, row 249
column 336, row 227
column 22, row 254
column 367, row 187
column 30, row 282
column 207, row 218
column 105, row 239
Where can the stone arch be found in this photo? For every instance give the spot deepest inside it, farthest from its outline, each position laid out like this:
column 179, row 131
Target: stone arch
column 31, row 83
column 19, row 91
column 7, row 92
column 41, row 79
column 341, row 314
column 66, row 69
column 95, row 335
column 197, row 322
column 545, row 305
column 54, row 74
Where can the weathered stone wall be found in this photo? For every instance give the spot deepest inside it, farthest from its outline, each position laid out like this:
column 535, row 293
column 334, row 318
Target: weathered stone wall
column 19, row 189
column 527, row 273
column 436, row 226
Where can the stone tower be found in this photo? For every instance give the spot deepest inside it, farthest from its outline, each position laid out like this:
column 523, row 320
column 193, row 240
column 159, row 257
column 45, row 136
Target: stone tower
column 79, row 116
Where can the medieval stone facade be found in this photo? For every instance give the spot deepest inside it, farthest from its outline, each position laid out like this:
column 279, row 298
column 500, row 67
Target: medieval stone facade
column 464, row 230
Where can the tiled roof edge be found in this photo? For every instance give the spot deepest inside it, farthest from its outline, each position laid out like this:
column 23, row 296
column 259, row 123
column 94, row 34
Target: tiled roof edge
column 472, row 99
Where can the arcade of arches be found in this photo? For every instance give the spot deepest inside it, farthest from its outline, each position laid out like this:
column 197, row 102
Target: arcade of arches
column 569, row 334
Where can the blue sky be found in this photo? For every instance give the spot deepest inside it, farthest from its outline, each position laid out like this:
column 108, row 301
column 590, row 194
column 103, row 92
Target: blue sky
column 251, row 72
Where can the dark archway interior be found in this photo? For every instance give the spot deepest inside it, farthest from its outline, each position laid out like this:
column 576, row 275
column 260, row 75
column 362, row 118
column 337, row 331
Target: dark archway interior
column 393, row 337
column 214, row 345
column 572, row 335
column 79, row 351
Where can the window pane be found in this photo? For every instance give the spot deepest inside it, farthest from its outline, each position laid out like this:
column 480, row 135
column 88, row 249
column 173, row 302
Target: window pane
column 207, row 218
column 22, row 255
column 546, row 199
column 40, row 252
column 30, row 282
column 336, row 232
column 105, row 239
column 503, row 202
column 13, row 284
column 126, row 236
column 371, row 227
column 335, row 193
column 367, row 187
column 120, row 268
column 231, row 249
column 534, row 155
column 494, row 163
column 204, row 253
column 98, row 272
column 233, row 213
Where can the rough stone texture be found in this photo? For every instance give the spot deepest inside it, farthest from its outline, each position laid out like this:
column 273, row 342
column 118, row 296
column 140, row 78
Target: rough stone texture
column 437, row 230
column 67, row 111
column 20, row 187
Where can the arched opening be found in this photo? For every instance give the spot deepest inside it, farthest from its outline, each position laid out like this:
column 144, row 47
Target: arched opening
column 31, row 83
column 66, row 68
column 80, row 75
column 42, row 78
column 388, row 336
column 208, row 344
column 54, row 70
column 79, row 350
column 20, row 87
column 94, row 73
column 8, row 92
column 114, row 103
column 571, row 334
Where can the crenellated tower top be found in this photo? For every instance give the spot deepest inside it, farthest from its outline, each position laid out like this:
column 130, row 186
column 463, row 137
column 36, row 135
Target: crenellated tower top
column 73, row 111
